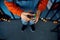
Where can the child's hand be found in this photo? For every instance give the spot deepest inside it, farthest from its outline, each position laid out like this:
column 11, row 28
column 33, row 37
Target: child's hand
column 24, row 16
column 37, row 16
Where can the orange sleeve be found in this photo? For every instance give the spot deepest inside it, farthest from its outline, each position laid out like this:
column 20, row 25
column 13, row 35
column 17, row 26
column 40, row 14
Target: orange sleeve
column 12, row 7
column 42, row 5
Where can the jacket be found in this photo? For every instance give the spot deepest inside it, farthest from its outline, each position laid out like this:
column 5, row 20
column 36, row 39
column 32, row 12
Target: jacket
column 17, row 10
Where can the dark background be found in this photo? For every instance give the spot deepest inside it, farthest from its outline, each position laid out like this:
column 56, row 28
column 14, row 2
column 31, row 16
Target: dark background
column 12, row 31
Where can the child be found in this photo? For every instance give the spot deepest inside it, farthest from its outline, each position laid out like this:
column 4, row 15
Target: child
column 23, row 8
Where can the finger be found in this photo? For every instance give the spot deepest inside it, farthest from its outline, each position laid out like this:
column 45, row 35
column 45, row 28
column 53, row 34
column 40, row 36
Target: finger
column 36, row 21
column 29, row 14
column 26, row 18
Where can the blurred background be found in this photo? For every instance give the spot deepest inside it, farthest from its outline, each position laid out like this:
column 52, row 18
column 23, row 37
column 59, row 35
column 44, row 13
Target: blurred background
column 48, row 27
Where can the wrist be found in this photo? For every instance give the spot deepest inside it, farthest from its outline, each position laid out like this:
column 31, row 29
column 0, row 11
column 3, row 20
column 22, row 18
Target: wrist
column 21, row 13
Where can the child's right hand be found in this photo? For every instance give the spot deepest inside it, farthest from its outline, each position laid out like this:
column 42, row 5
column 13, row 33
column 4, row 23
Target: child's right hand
column 24, row 16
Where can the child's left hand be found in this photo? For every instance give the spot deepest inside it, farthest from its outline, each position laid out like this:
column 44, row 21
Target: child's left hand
column 37, row 16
